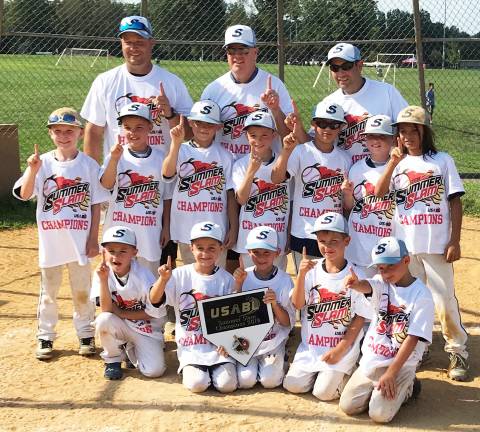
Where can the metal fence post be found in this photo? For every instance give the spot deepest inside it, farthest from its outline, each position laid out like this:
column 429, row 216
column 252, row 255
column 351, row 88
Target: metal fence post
column 280, row 41
column 144, row 8
column 419, row 48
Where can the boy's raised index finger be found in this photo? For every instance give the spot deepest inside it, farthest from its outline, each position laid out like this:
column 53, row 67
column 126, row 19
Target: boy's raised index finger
column 35, row 149
column 169, row 262
column 241, row 263
column 304, row 252
column 269, row 82
column 161, row 89
column 104, row 261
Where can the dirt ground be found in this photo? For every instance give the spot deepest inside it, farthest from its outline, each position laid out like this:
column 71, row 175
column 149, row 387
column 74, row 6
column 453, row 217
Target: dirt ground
column 70, row 393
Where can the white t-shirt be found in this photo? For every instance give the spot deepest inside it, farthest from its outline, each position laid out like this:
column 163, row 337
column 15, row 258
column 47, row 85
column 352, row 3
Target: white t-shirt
column 132, row 296
column 237, row 101
column 375, row 97
column 204, row 175
column 184, row 288
column 318, row 179
column 268, row 203
column 371, row 218
column 137, row 200
column 282, row 284
column 423, row 185
column 399, row 312
column 65, row 194
column 328, row 312
column 117, row 87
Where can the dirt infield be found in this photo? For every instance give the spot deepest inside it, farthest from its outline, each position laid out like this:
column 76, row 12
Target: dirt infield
column 69, row 393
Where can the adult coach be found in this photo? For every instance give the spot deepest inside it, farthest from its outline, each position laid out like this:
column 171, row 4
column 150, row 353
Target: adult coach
column 359, row 97
column 136, row 80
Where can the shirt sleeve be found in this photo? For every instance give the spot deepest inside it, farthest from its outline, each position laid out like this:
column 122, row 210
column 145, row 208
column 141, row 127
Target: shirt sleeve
column 99, row 193
column 171, row 289
column 285, row 300
column 453, row 182
column 397, row 102
column 229, row 183
column 378, row 288
column 148, row 279
column 293, row 164
column 422, row 318
column 94, row 109
column 285, row 100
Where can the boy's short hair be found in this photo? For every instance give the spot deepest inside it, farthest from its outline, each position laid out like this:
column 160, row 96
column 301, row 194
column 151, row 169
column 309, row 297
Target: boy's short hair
column 262, row 237
column 119, row 234
column 66, row 116
column 388, row 250
column 135, row 109
column 206, row 111
column 207, row 230
column 262, row 119
column 330, row 221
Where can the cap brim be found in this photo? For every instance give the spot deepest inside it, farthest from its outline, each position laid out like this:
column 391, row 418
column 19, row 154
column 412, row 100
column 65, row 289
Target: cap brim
column 330, row 118
column 246, row 126
column 377, row 133
column 134, row 115
column 203, row 119
column 103, row 243
column 205, row 236
column 142, row 33
column 386, row 260
column 411, row 121
column 260, row 245
column 313, row 231
column 65, row 123
column 247, row 44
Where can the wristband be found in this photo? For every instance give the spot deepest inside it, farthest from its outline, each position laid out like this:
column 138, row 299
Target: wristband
column 172, row 115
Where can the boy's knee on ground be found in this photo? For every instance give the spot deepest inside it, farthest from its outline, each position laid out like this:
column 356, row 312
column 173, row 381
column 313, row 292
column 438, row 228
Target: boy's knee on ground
column 195, row 379
column 379, row 414
column 153, row 371
column 246, row 378
column 103, row 321
column 295, row 385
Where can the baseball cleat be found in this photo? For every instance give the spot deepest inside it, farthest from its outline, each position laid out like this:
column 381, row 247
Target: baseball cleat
column 458, row 368
column 87, row 346
column 44, row 349
column 113, row 371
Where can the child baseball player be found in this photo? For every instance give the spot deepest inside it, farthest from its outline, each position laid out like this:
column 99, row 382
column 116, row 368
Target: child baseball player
column 429, row 220
column 396, row 338
column 267, row 365
column 65, row 183
column 319, row 169
column 201, row 363
column 262, row 202
column 202, row 171
column 332, row 317
column 121, row 288
column 134, row 175
column 371, row 217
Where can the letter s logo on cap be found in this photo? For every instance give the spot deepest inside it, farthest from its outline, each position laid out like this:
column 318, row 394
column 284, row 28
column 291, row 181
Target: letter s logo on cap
column 119, row 233
column 207, row 109
column 134, row 107
column 238, row 32
column 262, row 235
column 332, row 109
column 377, row 123
column 207, row 227
column 327, row 219
column 338, row 48
column 257, row 116
column 381, row 248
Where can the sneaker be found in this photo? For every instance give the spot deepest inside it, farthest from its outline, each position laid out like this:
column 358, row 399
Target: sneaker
column 113, row 371
column 87, row 346
column 458, row 368
column 44, row 349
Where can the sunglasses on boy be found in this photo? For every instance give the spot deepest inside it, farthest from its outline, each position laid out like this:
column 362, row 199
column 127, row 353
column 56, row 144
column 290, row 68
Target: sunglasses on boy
column 326, row 124
column 63, row 118
column 236, row 51
column 344, row 66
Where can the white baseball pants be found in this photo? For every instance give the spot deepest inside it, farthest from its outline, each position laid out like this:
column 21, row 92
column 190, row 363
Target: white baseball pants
column 197, row 378
column 361, row 394
column 280, row 261
column 145, row 352
column 188, row 258
column 268, row 370
column 83, row 308
column 437, row 274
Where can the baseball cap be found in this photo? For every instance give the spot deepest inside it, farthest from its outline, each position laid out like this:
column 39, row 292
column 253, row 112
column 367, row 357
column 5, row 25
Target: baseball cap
column 119, row 234
column 206, row 111
column 240, row 34
column 330, row 221
column 379, row 124
column 388, row 250
column 260, row 118
column 330, row 111
column 345, row 51
column 207, row 229
column 262, row 237
column 66, row 116
column 413, row 114
column 136, row 24
column 135, row 109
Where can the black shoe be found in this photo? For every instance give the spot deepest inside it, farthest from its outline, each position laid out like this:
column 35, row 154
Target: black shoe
column 113, row 371
column 87, row 346
column 44, row 349
column 417, row 388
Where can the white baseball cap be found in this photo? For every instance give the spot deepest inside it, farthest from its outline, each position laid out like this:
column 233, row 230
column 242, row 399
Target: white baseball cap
column 206, row 111
column 345, row 51
column 388, row 250
column 380, row 125
column 136, row 24
column 330, row 221
column 240, row 34
column 207, row 229
column 330, row 111
column 262, row 237
column 260, row 118
column 119, row 234
column 136, row 109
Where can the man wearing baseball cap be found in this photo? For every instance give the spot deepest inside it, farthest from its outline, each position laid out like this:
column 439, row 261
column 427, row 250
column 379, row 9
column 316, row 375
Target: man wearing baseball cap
column 359, row 97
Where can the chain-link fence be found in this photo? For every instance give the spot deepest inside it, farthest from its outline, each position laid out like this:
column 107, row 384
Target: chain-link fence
column 50, row 52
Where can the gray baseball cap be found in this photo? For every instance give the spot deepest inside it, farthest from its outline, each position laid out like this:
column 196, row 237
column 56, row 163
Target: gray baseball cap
column 345, row 51
column 206, row 111
column 379, row 125
column 260, row 118
column 330, row 221
column 240, row 34
column 119, row 234
column 388, row 250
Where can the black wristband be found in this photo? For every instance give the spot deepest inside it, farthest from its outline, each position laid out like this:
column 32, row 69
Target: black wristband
column 173, row 114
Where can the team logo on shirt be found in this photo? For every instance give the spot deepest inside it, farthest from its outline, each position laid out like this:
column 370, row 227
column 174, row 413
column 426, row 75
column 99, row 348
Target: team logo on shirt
column 134, row 188
column 412, row 187
column 353, row 132
column 325, row 306
column 195, row 176
column 366, row 203
column 131, row 305
column 60, row 192
column 320, row 182
column 234, row 116
column 266, row 196
column 131, row 98
column 393, row 322
column 188, row 310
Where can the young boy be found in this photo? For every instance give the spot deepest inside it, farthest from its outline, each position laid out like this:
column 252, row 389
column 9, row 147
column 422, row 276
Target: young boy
column 128, row 321
column 371, row 217
column 65, row 182
column 332, row 318
column 202, row 172
column 396, row 338
column 319, row 169
column 267, row 365
column 263, row 202
column 201, row 362
column 134, row 175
